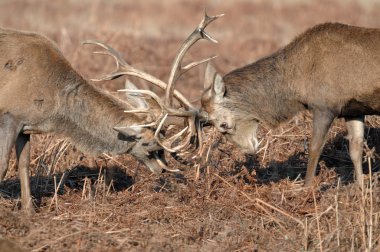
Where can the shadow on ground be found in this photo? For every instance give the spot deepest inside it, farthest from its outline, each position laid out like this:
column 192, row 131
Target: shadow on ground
column 45, row 186
column 335, row 156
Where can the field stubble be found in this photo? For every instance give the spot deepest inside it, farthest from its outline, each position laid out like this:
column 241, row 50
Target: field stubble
column 232, row 203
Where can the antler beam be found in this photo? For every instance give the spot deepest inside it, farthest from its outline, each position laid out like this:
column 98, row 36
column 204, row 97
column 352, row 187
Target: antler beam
column 177, row 70
column 123, row 68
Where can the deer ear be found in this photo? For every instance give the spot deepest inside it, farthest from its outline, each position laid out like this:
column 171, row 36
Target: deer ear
column 213, row 81
column 137, row 102
column 218, row 86
column 128, row 133
column 210, row 74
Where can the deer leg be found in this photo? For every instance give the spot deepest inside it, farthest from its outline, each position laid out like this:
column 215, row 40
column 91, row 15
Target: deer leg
column 355, row 128
column 9, row 130
column 23, row 159
column 321, row 124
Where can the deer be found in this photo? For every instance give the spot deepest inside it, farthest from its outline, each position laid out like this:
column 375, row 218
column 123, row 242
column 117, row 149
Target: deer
column 331, row 69
column 40, row 93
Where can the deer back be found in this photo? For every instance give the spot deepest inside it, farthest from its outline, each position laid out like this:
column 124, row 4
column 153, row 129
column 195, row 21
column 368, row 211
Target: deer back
column 332, row 66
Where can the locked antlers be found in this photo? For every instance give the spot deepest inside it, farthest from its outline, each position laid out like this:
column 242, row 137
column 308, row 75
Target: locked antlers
column 187, row 110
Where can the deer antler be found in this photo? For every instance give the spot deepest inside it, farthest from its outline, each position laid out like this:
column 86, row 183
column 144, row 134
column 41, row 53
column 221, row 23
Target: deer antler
column 194, row 127
column 177, row 70
column 123, row 68
column 188, row 111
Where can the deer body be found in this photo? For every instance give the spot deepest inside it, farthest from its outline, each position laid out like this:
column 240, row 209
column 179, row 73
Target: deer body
column 40, row 93
column 332, row 69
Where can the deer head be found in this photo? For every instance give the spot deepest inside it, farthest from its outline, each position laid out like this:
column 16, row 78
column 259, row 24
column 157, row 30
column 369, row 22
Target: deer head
column 223, row 112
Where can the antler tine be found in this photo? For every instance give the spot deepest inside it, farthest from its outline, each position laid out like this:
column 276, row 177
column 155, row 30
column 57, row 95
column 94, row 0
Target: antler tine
column 177, row 70
column 164, row 144
column 164, row 108
column 191, row 132
column 173, row 138
column 123, row 68
column 109, row 50
column 205, row 22
column 137, row 111
column 157, row 134
column 196, row 63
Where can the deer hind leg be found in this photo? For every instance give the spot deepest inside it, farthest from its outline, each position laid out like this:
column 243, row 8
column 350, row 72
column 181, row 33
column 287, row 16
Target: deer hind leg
column 23, row 159
column 355, row 128
column 321, row 124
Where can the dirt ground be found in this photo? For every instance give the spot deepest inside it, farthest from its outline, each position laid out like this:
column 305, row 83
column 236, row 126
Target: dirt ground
column 231, row 203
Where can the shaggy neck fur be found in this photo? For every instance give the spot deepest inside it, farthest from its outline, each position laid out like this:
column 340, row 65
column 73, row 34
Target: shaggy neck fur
column 87, row 116
column 260, row 92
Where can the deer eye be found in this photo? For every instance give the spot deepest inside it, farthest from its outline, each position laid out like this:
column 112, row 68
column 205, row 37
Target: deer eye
column 224, row 125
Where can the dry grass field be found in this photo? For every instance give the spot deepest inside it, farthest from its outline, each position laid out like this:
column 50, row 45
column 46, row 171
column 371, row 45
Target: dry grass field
column 230, row 203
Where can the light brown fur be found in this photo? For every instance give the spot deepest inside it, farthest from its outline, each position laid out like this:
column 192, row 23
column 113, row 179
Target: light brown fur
column 331, row 69
column 40, row 93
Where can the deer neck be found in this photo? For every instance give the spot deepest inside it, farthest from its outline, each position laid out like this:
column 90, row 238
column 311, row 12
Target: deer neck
column 260, row 91
column 87, row 116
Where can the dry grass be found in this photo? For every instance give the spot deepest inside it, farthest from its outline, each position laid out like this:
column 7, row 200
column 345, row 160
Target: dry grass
column 230, row 203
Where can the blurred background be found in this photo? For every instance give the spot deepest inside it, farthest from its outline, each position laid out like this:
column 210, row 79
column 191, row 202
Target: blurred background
column 149, row 32
column 233, row 203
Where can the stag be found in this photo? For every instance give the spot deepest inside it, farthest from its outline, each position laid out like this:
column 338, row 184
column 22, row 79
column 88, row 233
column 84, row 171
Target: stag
column 40, row 92
column 331, row 69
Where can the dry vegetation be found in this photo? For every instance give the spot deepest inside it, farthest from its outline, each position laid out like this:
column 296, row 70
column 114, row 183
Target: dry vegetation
column 232, row 203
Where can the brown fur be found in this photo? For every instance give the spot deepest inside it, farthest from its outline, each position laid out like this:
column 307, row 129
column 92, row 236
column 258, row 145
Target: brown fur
column 331, row 69
column 40, row 92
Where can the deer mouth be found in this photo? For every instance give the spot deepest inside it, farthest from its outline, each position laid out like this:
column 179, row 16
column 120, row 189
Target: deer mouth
column 160, row 159
column 247, row 143
column 156, row 162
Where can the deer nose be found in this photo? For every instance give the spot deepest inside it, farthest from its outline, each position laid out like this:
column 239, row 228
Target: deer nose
column 225, row 127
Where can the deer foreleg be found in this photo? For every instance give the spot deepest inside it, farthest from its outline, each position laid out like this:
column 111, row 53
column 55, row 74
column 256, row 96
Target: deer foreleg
column 321, row 123
column 23, row 159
